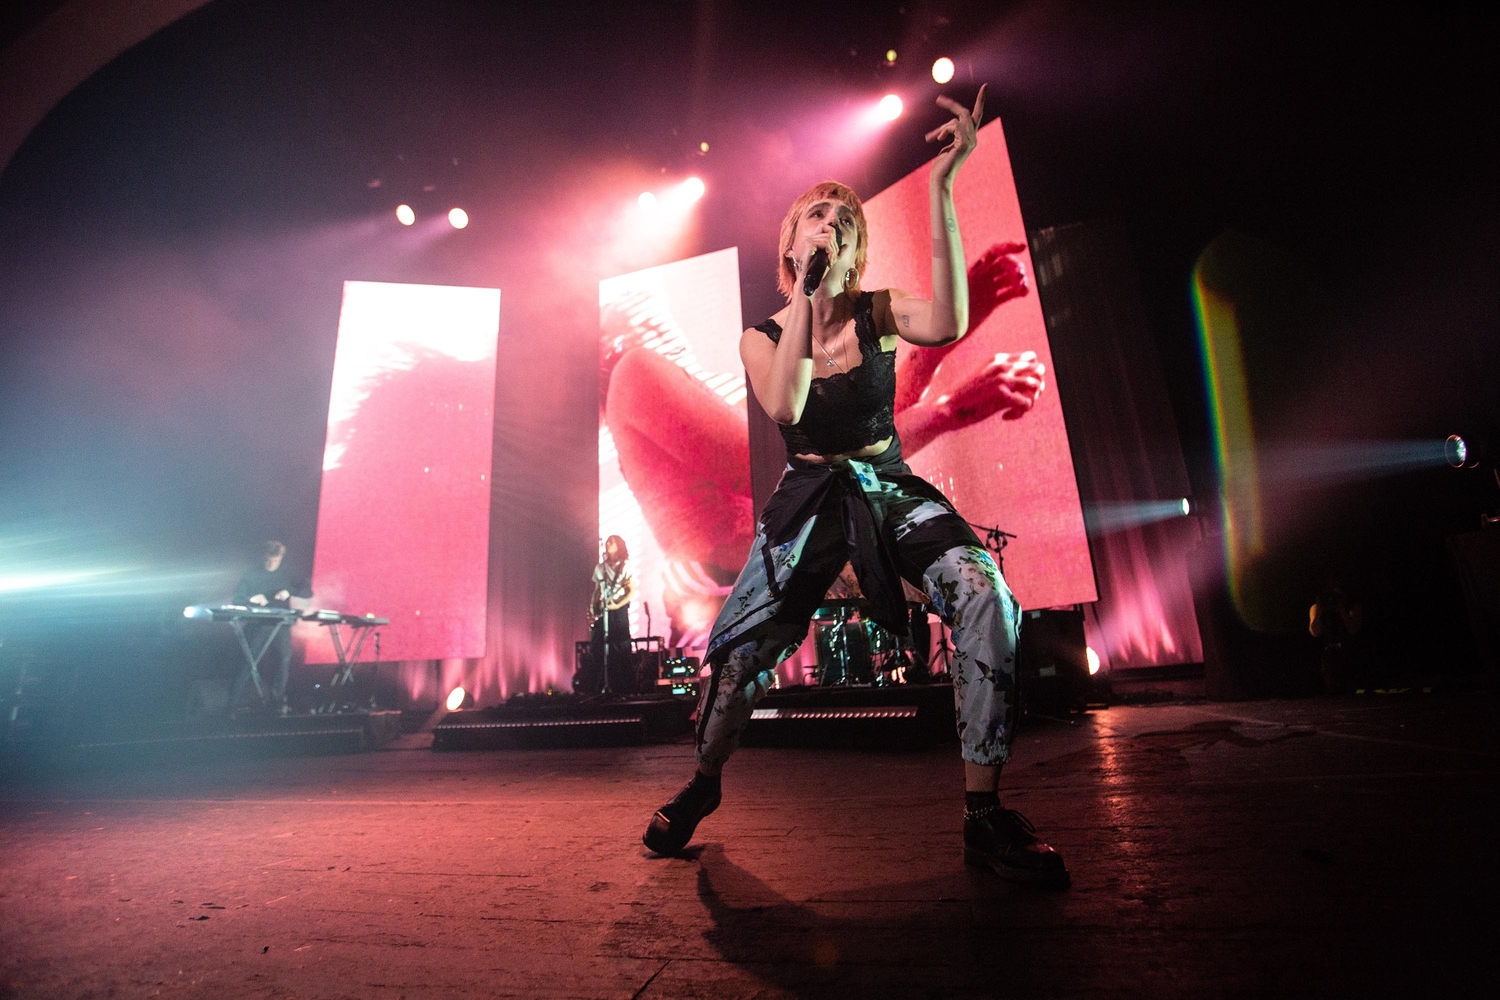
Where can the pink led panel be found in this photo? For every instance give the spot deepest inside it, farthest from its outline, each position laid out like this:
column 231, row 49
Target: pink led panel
column 674, row 445
column 404, row 514
column 1015, row 473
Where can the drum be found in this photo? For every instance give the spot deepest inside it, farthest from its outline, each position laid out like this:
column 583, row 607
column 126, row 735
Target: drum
column 843, row 645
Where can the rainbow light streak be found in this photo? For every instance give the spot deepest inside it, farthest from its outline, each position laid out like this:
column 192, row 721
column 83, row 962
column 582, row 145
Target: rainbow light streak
column 1233, row 431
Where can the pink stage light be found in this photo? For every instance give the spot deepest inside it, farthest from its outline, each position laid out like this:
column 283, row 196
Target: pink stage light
column 458, row 218
column 890, row 107
column 942, row 70
column 662, row 215
column 405, row 215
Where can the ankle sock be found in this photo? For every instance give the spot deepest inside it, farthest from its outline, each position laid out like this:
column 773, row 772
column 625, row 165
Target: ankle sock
column 975, row 801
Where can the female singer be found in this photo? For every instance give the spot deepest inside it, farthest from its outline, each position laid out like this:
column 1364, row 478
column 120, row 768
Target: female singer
column 824, row 369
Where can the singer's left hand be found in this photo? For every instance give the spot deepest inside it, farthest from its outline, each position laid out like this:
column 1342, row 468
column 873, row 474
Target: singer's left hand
column 963, row 133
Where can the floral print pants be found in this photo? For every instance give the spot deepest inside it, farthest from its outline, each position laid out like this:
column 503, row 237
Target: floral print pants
column 938, row 553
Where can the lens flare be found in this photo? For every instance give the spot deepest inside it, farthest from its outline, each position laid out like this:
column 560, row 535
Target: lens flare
column 405, row 215
column 456, row 699
column 890, row 107
column 890, row 56
column 1232, row 428
column 942, row 70
column 458, row 218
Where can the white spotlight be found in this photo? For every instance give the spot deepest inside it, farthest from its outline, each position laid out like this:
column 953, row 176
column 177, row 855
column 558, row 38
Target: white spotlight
column 458, row 218
column 405, row 215
column 942, row 70
column 1093, row 660
column 1456, row 451
column 647, row 201
column 456, row 699
column 693, row 187
column 890, row 107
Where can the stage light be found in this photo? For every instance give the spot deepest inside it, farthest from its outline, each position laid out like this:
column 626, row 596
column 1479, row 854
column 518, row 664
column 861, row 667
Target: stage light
column 405, row 215
column 647, row 200
column 1455, row 451
column 458, row 218
column 890, row 56
column 456, row 699
column 693, row 187
column 890, row 107
column 1107, row 516
column 1093, row 659
column 702, row 147
column 942, row 70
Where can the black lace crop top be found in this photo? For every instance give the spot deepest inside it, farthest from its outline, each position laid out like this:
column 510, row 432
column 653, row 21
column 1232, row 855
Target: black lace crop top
column 846, row 411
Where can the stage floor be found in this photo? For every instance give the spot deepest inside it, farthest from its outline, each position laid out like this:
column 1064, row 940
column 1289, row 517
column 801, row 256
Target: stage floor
column 1251, row 849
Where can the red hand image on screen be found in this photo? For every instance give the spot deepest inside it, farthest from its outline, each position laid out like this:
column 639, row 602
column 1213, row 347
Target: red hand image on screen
column 1007, row 385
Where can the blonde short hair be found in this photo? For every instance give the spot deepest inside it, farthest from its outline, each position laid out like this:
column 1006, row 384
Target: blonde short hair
column 786, row 275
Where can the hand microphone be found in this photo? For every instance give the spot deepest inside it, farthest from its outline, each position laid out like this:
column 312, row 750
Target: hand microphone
column 817, row 266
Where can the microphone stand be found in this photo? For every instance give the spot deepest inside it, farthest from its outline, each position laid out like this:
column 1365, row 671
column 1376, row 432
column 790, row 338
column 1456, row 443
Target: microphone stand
column 995, row 541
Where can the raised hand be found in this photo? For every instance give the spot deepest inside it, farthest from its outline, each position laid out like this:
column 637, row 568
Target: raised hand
column 961, row 134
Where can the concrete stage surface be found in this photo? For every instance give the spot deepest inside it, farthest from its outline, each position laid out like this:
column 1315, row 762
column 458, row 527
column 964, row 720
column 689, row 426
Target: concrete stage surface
column 1262, row 849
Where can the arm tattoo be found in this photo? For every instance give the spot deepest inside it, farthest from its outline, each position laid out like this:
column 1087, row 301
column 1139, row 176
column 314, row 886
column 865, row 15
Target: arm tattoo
column 906, row 320
column 952, row 225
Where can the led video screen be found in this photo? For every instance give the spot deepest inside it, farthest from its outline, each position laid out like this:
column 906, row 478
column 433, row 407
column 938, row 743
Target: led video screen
column 404, row 513
column 674, row 461
column 1003, row 465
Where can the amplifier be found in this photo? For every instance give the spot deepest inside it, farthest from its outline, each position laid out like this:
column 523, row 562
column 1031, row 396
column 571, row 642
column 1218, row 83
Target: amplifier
column 629, row 672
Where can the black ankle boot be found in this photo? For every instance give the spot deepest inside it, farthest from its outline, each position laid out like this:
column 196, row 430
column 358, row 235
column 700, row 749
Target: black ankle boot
column 673, row 825
column 1005, row 842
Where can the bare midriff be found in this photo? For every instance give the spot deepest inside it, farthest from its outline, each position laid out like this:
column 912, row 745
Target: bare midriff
column 869, row 451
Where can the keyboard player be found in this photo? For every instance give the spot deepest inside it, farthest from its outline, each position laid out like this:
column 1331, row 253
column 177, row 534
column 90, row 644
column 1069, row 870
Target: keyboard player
column 270, row 584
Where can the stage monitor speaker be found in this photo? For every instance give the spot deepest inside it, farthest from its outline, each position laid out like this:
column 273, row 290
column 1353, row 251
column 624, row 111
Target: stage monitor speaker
column 629, row 672
column 1053, row 662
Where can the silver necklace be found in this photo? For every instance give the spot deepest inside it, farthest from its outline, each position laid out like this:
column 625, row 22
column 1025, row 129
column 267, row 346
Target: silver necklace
column 830, row 363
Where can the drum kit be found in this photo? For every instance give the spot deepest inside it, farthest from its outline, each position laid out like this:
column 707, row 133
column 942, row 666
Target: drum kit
column 854, row 650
